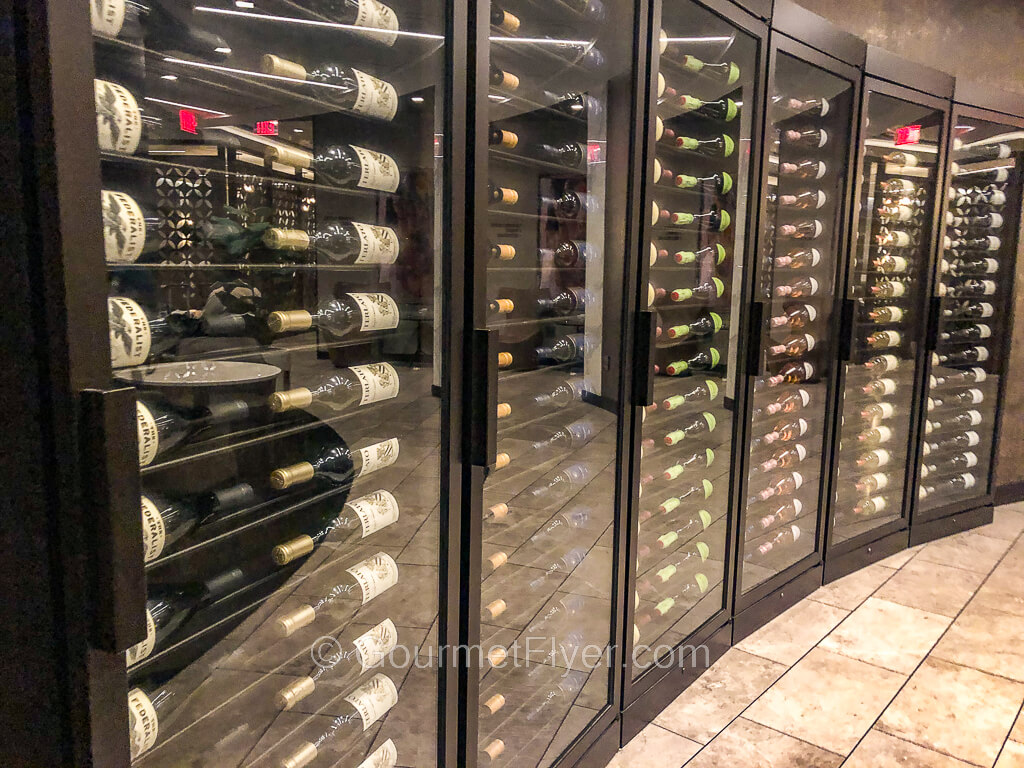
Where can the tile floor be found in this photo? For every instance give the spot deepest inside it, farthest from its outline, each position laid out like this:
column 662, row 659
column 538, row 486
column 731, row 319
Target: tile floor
column 916, row 662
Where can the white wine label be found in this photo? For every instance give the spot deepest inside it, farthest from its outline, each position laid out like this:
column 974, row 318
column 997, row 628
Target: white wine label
column 969, row 480
column 986, row 309
column 378, row 456
column 375, row 575
column 377, row 311
column 979, row 375
column 810, row 341
column 130, row 338
column 976, row 395
column 971, row 458
column 154, row 533
column 798, row 479
column 385, row 756
column 887, row 410
column 118, row 119
column 381, row 21
column 374, row 97
column 375, row 511
column 984, row 331
column 884, row 434
column 888, row 386
column 107, row 16
column 149, row 436
column 982, row 354
column 373, row 646
column 378, row 382
column 377, row 170
column 124, row 228
column 975, row 417
column 377, row 245
column 142, row 722
column 141, row 650
column 988, row 287
column 372, row 700
column 973, row 438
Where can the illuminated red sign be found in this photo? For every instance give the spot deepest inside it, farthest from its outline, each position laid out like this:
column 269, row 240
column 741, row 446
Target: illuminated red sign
column 265, row 128
column 595, row 152
column 188, row 121
column 908, row 134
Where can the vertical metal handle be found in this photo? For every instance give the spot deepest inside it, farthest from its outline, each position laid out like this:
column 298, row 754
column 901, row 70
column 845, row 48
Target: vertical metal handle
column 643, row 382
column 755, row 360
column 934, row 313
column 847, row 310
column 110, row 483
column 484, row 399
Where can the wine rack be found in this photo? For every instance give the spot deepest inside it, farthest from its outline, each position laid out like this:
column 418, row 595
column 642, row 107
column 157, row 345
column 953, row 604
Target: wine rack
column 270, row 199
column 807, row 149
column 693, row 253
column 973, row 288
column 886, row 290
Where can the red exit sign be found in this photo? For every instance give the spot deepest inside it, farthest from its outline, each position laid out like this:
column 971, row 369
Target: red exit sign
column 908, row 134
column 188, row 121
column 265, row 128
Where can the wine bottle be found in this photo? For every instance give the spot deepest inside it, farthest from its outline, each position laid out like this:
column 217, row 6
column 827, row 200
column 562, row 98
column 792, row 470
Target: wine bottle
column 703, row 458
column 721, row 182
column 804, row 286
column 884, row 339
column 351, row 312
column 870, row 506
column 566, row 393
column 725, row 72
column 147, row 704
column 501, row 195
column 703, row 490
column 794, row 346
column 166, row 521
column 960, row 356
column 791, row 373
column 878, row 411
column 701, row 361
column 570, row 154
column 989, row 220
column 336, row 463
column 566, row 349
column 359, row 710
column 968, row 439
column 868, row 484
column 705, row 325
column 812, row 138
column 890, row 264
column 138, row 334
column 570, row 205
column 337, row 85
column 990, row 196
column 875, row 459
column 576, row 104
column 163, row 426
column 811, row 199
column 788, row 403
column 499, row 78
column 343, row 165
column 784, row 513
column 561, row 526
column 794, row 316
column 888, row 289
column 974, row 287
column 783, row 486
column 706, row 422
column 342, row 390
column 898, row 186
column 566, row 302
column 879, row 387
column 697, row 553
column 784, row 457
column 164, row 26
column 499, row 137
column 358, row 519
column 967, row 419
column 339, row 242
column 965, row 244
column 875, row 436
column 805, row 169
column 170, row 607
column 978, row 152
column 716, row 251
column 785, row 536
column 897, row 238
column 801, row 230
column 364, row 581
column 723, row 109
column 569, row 437
column 810, row 107
column 718, row 146
column 504, row 20
column 367, row 18
column 786, row 431
column 573, row 253
column 973, row 332
column 981, row 266
column 901, row 158
column 565, row 482
column 799, row 258
column 705, row 391
column 970, row 376
column 885, row 314
column 715, row 220
column 882, row 364
column 896, row 213
column 706, row 291
column 996, row 175
column 972, row 396
column 130, row 229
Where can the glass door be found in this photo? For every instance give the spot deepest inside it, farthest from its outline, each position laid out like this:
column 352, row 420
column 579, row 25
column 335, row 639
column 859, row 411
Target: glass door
column 887, row 293
column 272, row 197
column 550, row 246
column 705, row 79
column 807, row 148
column 974, row 292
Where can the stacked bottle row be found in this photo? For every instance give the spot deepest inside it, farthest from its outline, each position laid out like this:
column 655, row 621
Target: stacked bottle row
column 269, row 238
column 975, row 286
column 807, row 146
column 548, row 504
column 698, row 174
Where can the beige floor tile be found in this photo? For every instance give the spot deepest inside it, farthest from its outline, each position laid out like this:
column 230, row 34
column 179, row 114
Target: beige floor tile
column 853, row 589
column 827, row 699
column 1003, row 590
column 970, row 551
column 655, row 747
column 931, row 587
column 1012, row 756
column 788, row 637
column 888, row 635
column 985, row 639
column 901, row 558
column 746, row 744
column 880, row 750
column 956, row 710
column 1007, row 523
column 719, row 695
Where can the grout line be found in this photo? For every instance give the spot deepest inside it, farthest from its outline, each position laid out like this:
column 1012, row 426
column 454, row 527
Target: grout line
column 1020, row 713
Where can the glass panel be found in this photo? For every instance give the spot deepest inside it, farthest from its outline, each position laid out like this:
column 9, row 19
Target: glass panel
column 976, row 286
column 888, row 286
column 699, row 179
column 270, row 208
column 807, row 147
column 549, row 501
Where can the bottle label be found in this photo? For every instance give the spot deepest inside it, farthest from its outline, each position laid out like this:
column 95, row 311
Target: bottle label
column 142, row 722
column 375, row 98
column 377, row 311
column 374, row 646
column 377, row 170
column 140, row 651
column 154, row 533
column 372, row 700
column 984, row 332
column 118, row 119
column 972, row 438
column 385, row 756
column 149, row 437
column 381, row 21
column 809, row 341
column 375, row 575
column 378, row 456
column 124, row 228
column 377, row 245
column 982, row 354
column 107, row 16
column 130, row 337
column 988, row 287
column 378, row 382
column 375, row 511
column 971, row 458
column 969, row 481
column 978, row 374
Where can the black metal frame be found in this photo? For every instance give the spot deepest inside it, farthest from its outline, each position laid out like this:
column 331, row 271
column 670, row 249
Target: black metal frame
column 792, row 24
column 880, row 542
column 647, row 694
